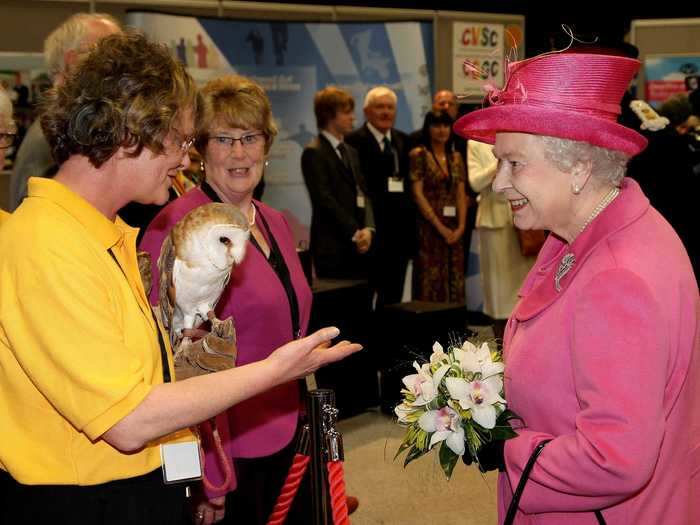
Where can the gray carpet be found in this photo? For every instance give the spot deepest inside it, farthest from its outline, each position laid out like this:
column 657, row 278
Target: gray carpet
column 417, row 495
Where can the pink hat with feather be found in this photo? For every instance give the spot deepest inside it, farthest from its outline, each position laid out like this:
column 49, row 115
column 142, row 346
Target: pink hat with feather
column 567, row 95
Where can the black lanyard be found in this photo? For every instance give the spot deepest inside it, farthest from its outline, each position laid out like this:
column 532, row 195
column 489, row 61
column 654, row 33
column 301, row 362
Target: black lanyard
column 276, row 262
column 161, row 343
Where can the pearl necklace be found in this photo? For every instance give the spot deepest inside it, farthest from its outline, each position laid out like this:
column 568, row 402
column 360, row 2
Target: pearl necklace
column 605, row 201
column 569, row 259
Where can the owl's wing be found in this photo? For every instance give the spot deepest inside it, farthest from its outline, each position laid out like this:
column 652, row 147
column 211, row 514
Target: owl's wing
column 167, row 286
column 223, row 287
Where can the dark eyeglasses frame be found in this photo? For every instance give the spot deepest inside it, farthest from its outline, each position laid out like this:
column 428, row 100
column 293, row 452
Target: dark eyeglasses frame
column 230, row 141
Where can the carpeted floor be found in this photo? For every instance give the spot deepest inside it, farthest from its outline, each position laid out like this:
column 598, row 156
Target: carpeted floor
column 417, row 495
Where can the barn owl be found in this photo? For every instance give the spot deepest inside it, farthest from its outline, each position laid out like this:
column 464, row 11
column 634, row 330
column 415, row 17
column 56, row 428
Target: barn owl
column 195, row 264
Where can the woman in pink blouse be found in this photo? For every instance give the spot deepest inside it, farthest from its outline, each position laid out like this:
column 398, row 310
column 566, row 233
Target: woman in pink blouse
column 267, row 296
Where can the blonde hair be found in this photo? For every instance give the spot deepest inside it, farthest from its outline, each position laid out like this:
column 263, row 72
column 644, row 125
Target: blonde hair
column 5, row 108
column 71, row 34
column 237, row 102
column 377, row 92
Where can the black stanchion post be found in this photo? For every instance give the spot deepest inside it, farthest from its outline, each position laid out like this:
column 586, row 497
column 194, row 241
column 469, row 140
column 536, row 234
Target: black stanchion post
column 318, row 403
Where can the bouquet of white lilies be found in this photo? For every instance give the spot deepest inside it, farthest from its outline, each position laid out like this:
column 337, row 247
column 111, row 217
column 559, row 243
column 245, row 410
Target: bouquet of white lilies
column 455, row 401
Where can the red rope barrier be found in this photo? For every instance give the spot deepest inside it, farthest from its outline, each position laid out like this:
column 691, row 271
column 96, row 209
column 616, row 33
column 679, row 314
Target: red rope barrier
column 289, row 489
column 339, row 502
column 224, row 461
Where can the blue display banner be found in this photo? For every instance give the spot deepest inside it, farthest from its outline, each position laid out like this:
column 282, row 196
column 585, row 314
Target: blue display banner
column 292, row 60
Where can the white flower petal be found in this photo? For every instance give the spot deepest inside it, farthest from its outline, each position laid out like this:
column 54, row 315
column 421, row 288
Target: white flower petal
column 428, row 421
column 439, row 436
column 468, row 346
column 456, row 441
column 437, row 348
column 402, row 411
column 439, row 374
column 484, row 415
column 457, row 387
column 484, row 353
column 410, row 381
column 470, row 363
column 493, row 386
column 491, row 369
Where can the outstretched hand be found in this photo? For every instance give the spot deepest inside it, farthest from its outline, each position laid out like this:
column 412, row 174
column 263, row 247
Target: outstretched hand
column 301, row 357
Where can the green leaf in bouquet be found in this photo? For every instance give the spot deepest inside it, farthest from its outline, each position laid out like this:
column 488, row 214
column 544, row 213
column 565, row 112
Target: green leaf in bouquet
column 473, row 438
column 448, row 459
column 402, row 447
column 422, row 440
column 413, row 454
column 503, row 430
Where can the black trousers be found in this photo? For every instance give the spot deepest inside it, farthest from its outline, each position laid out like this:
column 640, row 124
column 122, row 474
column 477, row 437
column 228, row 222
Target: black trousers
column 259, row 483
column 143, row 500
column 387, row 276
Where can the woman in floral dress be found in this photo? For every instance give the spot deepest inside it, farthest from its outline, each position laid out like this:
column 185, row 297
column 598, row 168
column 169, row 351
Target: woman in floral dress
column 438, row 178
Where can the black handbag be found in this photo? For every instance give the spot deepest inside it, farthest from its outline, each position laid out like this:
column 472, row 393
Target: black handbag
column 513, row 507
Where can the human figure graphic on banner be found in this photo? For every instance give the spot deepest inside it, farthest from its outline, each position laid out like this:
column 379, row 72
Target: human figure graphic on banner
column 257, row 43
column 181, row 50
column 370, row 60
column 189, row 52
column 280, row 36
column 201, row 50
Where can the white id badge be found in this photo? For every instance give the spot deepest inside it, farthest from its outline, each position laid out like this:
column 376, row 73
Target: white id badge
column 180, row 461
column 360, row 201
column 395, row 185
column 449, row 211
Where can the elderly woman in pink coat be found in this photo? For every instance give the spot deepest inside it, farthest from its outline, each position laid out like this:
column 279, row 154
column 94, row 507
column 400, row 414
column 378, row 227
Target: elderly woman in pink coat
column 601, row 350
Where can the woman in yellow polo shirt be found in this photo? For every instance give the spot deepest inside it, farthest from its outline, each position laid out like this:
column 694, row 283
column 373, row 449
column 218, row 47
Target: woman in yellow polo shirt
column 86, row 408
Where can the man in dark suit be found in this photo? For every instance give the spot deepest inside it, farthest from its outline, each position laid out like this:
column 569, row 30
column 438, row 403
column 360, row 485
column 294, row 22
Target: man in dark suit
column 342, row 222
column 383, row 154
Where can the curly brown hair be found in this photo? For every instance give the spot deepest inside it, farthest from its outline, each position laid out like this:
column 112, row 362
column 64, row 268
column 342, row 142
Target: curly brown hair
column 127, row 92
column 237, row 102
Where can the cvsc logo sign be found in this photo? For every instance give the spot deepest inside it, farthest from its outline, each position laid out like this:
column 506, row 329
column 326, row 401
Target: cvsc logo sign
column 483, row 69
column 478, row 36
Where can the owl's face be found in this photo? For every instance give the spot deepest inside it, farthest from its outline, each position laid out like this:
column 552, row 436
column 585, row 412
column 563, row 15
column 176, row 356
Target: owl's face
column 225, row 245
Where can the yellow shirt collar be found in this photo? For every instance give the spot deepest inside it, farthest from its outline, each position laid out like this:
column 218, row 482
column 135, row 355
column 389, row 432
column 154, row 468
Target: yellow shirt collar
column 106, row 232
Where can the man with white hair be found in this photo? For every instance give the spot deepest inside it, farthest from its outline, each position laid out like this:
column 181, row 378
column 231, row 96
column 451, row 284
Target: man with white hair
column 62, row 49
column 8, row 133
column 383, row 152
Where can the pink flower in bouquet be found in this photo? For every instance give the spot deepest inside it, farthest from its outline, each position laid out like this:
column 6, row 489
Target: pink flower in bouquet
column 445, row 425
column 422, row 385
column 479, row 396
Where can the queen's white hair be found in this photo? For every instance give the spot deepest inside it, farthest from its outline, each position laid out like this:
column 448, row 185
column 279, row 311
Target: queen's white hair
column 375, row 93
column 69, row 35
column 607, row 166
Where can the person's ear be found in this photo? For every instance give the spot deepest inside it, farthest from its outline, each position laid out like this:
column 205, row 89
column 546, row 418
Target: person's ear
column 580, row 174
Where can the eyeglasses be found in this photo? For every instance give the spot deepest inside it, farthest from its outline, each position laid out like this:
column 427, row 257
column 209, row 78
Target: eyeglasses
column 186, row 142
column 248, row 141
column 7, row 139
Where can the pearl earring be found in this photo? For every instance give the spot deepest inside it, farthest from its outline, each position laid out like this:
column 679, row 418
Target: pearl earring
column 267, row 163
column 201, row 166
column 575, row 188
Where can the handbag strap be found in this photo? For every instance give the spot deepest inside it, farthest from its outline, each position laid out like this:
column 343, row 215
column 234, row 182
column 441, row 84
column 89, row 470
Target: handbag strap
column 513, row 507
